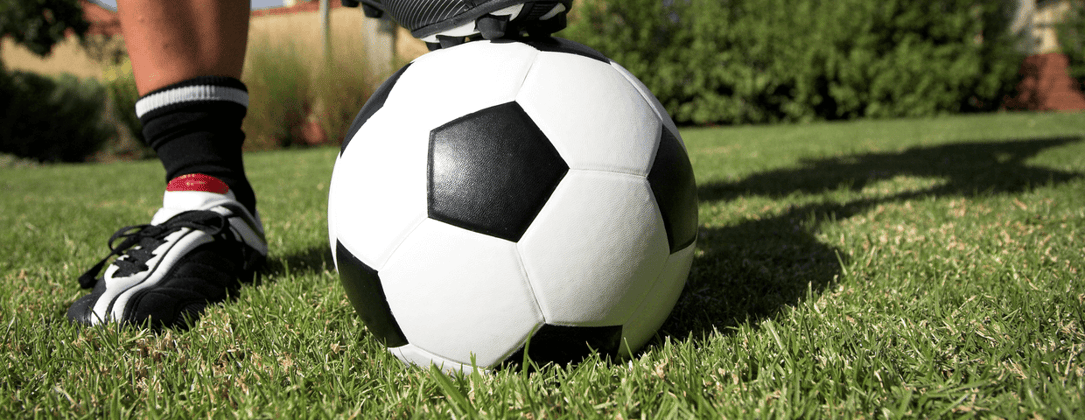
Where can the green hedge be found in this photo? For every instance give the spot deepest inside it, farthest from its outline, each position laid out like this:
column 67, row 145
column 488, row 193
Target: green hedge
column 761, row 61
column 51, row 119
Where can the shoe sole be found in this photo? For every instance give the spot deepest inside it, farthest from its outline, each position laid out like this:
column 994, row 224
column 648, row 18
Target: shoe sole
column 541, row 18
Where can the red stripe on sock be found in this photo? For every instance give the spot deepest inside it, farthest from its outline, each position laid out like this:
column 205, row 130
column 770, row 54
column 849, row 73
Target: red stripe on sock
column 198, row 182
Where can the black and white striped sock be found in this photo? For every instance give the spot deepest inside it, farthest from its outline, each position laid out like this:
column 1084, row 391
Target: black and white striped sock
column 195, row 127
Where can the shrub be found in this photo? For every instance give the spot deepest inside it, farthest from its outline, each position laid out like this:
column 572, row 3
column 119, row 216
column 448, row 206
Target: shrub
column 747, row 61
column 51, row 119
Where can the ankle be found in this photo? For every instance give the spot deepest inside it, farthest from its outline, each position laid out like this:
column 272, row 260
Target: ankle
column 195, row 128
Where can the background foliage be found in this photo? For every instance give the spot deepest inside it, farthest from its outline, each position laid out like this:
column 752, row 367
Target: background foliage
column 51, row 119
column 40, row 24
column 763, row 61
column 44, row 118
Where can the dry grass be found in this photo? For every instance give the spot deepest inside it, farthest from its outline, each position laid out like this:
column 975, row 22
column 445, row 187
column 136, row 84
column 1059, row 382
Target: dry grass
column 295, row 103
column 350, row 31
column 293, row 90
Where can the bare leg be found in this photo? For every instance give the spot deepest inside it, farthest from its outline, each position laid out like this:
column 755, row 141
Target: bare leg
column 174, row 40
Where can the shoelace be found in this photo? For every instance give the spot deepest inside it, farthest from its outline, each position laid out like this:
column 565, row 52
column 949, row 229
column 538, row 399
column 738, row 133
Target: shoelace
column 149, row 237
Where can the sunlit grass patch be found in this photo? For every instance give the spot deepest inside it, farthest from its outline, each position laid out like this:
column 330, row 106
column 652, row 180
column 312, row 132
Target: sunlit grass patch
column 901, row 268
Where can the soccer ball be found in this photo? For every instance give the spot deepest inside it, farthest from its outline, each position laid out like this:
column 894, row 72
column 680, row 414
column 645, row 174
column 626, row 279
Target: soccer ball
column 501, row 198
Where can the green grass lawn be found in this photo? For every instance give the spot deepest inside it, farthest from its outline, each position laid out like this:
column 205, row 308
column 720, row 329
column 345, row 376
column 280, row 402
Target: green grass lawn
column 901, row 268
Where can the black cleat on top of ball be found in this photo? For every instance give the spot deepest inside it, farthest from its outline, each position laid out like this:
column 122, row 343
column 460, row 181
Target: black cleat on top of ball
column 446, row 23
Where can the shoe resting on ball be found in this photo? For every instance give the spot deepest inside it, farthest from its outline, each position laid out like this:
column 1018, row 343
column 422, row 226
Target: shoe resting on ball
column 445, row 23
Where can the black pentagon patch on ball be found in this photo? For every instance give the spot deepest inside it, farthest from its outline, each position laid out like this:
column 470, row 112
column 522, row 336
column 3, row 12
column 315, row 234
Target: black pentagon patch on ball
column 363, row 287
column 374, row 104
column 563, row 344
column 492, row 171
column 675, row 190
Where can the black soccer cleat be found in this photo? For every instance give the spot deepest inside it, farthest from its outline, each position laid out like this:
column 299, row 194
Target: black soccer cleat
column 446, row 23
column 198, row 250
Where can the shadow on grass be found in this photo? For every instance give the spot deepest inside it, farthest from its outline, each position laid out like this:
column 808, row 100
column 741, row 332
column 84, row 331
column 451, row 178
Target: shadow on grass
column 750, row 270
column 967, row 168
column 313, row 260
